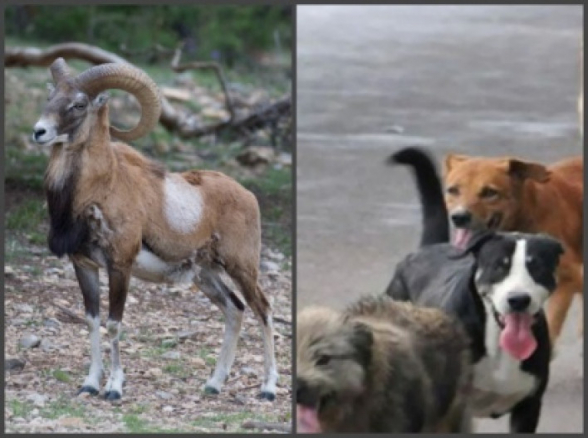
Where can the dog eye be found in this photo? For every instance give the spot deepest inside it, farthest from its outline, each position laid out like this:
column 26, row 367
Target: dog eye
column 453, row 190
column 323, row 360
column 488, row 192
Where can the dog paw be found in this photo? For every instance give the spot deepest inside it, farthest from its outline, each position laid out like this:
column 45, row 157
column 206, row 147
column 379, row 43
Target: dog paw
column 89, row 389
column 112, row 395
column 265, row 395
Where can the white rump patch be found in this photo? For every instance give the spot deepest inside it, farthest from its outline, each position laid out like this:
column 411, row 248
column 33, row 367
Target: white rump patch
column 183, row 204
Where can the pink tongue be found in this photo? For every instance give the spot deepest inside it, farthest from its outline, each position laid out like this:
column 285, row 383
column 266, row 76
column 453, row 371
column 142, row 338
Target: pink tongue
column 307, row 420
column 461, row 238
column 516, row 337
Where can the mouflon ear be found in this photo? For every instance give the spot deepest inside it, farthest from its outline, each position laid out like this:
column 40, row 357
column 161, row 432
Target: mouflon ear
column 476, row 242
column 362, row 339
column 528, row 170
column 451, row 160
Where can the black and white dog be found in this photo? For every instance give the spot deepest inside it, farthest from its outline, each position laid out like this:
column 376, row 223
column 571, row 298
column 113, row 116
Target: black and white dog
column 496, row 286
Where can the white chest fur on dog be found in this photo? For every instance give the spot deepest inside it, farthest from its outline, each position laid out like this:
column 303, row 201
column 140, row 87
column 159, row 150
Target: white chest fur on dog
column 183, row 204
column 499, row 382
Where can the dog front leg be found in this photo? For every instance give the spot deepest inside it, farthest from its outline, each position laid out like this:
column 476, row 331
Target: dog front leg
column 525, row 415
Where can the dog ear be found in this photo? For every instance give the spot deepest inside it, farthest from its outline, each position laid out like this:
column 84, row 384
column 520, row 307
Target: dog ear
column 553, row 245
column 451, row 160
column 362, row 339
column 528, row 170
column 476, row 242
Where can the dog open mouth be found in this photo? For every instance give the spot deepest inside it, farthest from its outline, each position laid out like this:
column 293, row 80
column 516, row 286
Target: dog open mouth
column 307, row 420
column 463, row 235
column 516, row 337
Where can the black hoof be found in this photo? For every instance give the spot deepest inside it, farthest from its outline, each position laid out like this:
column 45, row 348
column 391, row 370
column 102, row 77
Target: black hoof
column 112, row 395
column 269, row 396
column 211, row 391
column 89, row 389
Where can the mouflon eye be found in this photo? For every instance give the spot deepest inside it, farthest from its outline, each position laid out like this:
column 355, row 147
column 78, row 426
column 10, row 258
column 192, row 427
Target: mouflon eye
column 323, row 360
column 488, row 192
column 453, row 190
column 80, row 106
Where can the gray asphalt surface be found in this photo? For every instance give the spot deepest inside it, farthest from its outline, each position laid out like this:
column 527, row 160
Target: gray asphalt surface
column 486, row 80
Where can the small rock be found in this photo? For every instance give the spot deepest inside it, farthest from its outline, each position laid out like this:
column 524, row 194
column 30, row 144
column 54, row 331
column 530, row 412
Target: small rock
column 267, row 266
column 71, row 422
column 239, row 400
column 197, row 362
column 256, row 155
column 24, row 308
column 30, row 341
column 8, row 271
column 250, row 372
column 51, row 322
column 164, row 395
column 168, row 409
column 154, row 372
column 14, row 364
column 37, row 399
column 46, row 346
column 188, row 334
column 17, row 322
column 168, row 343
column 53, row 271
column 171, row 355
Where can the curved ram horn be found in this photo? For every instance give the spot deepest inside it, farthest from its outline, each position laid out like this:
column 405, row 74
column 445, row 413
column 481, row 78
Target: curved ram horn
column 59, row 70
column 132, row 80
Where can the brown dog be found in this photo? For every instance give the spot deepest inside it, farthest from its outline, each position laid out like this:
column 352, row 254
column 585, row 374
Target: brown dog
column 513, row 195
column 381, row 366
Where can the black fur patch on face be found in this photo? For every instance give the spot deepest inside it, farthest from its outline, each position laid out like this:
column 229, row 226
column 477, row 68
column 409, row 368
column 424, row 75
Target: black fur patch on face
column 72, row 113
column 362, row 340
column 542, row 260
column 67, row 234
column 495, row 258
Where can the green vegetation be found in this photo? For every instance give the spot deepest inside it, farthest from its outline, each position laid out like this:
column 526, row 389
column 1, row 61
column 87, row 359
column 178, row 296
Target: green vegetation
column 20, row 408
column 62, row 376
column 226, row 33
column 63, row 407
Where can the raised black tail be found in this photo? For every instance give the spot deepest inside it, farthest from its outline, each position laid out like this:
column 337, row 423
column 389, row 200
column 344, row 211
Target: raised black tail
column 435, row 222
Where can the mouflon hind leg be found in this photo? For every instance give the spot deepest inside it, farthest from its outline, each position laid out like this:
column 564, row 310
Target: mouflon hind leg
column 246, row 279
column 210, row 283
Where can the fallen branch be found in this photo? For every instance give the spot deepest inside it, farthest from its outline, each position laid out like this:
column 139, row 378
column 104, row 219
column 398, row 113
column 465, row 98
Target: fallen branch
column 281, row 320
column 72, row 315
column 214, row 66
column 171, row 119
column 262, row 425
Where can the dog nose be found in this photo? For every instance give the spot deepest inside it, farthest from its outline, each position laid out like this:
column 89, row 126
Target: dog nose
column 461, row 219
column 38, row 133
column 519, row 302
column 304, row 394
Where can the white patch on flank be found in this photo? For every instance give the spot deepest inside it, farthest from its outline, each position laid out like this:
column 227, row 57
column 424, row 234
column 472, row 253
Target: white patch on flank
column 149, row 267
column 518, row 280
column 499, row 382
column 95, row 373
column 183, row 204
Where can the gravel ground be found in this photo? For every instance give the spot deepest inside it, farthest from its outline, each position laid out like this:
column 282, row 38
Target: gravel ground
column 171, row 338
